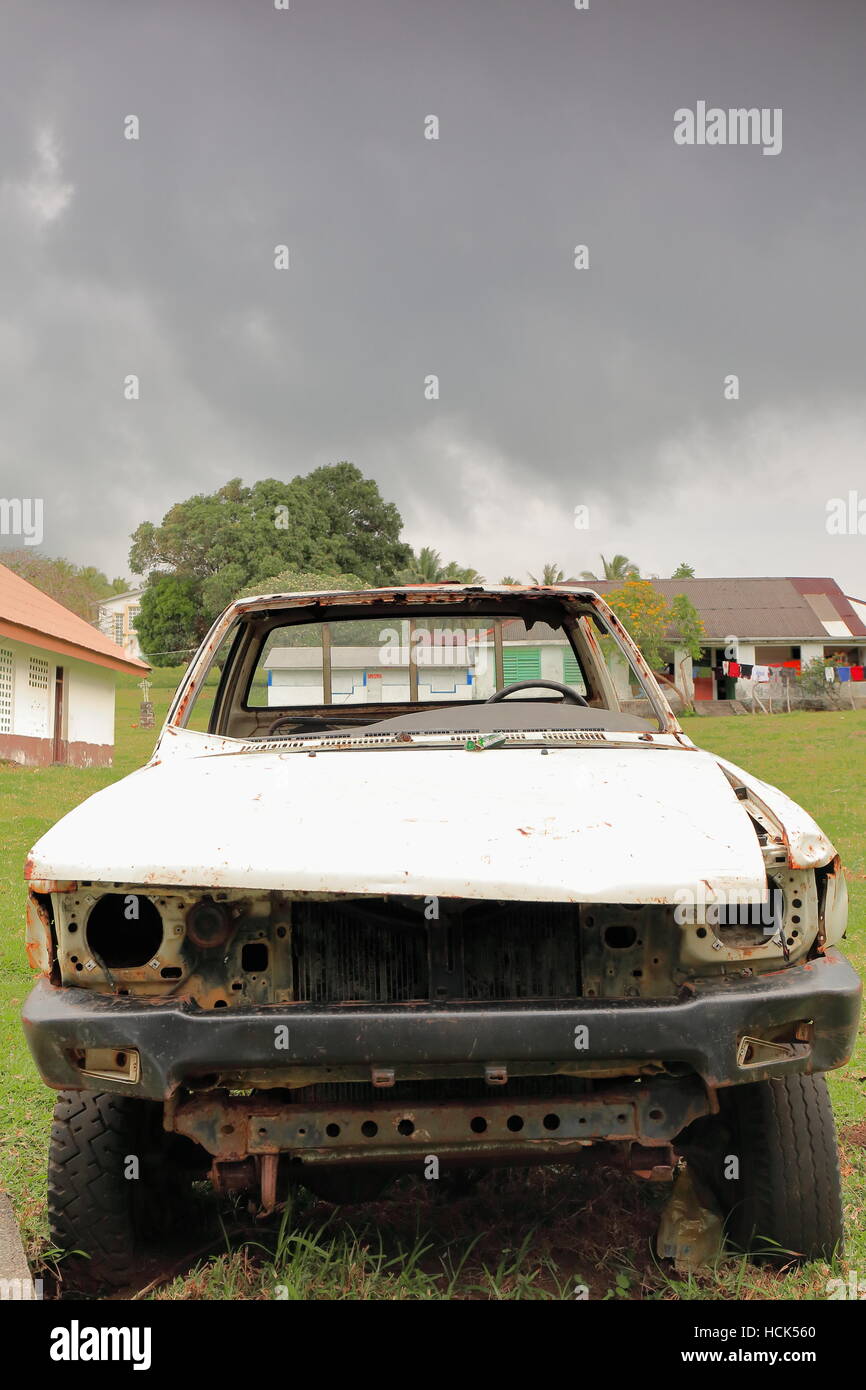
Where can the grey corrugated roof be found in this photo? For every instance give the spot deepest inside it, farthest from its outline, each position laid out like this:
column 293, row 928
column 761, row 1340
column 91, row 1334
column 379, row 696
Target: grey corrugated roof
column 757, row 608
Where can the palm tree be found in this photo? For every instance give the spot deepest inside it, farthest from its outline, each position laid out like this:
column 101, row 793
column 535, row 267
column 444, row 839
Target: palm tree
column 423, row 568
column 551, row 574
column 509, row 579
column 427, row 568
column 457, row 574
column 620, row 567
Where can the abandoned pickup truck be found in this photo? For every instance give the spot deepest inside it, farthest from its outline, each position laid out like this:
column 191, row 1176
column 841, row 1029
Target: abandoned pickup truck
column 430, row 878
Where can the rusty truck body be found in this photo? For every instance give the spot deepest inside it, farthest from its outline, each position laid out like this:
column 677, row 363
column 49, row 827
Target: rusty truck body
column 374, row 900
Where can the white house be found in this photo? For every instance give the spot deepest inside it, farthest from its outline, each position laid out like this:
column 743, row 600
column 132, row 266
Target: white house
column 116, row 617
column 57, row 680
column 776, row 625
column 359, row 675
column 453, row 666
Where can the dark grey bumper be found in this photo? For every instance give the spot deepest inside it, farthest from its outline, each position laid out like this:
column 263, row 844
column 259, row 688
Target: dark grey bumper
column 701, row 1032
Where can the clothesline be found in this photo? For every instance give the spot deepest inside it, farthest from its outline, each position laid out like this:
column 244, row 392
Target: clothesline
column 759, row 674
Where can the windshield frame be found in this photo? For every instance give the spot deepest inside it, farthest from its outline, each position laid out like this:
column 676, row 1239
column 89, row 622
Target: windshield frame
column 250, row 618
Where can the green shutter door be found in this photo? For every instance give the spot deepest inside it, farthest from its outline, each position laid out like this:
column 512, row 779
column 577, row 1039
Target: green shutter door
column 570, row 669
column 521, row 663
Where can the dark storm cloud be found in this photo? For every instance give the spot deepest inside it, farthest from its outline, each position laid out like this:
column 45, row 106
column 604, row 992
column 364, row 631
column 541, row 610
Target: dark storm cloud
column 453, row 257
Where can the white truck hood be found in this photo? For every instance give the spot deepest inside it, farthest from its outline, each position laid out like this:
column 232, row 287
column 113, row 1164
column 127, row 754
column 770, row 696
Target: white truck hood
column 612, row 824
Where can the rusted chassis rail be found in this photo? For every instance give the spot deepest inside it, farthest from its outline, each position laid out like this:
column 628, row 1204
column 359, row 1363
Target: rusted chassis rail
column 484, row 1129
column 701, row 1032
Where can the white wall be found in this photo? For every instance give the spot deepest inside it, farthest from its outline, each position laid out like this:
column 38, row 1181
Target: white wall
column 387, row 684
column 811, row 651
column 32, row 704
column 127, row 605
column 620, row 671
column 746, row 653
column 89, row 714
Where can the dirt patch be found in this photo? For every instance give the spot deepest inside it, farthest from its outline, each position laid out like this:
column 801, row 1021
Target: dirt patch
column 854, row 1136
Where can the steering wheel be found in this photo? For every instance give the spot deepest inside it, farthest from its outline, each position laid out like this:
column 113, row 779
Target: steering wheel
column 278, row 723
column 564, row 690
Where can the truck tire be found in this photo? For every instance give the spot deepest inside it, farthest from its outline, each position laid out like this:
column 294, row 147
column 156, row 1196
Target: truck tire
column 785, row 1203
column 93, row 1207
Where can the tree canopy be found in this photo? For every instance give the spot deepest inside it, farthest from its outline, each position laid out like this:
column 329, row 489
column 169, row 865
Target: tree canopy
column 78, row 587
column 648, row 617
column 210, row 546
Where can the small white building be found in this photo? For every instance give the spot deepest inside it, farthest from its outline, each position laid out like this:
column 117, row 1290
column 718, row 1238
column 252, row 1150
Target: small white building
column 116, row 617
column 360, row 676
column 57, row 681
column 776, row 625
column 451, row 666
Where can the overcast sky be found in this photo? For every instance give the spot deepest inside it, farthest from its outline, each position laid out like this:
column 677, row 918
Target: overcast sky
column 559, row 387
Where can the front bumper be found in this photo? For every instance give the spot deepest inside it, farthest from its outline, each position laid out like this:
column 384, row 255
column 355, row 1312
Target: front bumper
column 701, row 1033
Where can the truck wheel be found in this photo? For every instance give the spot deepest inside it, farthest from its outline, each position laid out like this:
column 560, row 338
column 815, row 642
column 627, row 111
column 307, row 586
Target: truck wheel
column 782, row 1196
column 93, row 1206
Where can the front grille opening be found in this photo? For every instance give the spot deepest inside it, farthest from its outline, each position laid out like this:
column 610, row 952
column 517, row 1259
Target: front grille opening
column 343, row 954
column 385, row 951
column 521, row 951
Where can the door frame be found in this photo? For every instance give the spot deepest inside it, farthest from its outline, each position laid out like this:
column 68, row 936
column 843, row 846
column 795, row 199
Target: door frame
column 58, row 750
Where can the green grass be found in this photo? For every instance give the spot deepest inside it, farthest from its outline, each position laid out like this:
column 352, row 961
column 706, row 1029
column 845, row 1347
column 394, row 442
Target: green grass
column 532, row 1235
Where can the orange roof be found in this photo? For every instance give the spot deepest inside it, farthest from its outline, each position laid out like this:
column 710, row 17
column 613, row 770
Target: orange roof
column 28, row 615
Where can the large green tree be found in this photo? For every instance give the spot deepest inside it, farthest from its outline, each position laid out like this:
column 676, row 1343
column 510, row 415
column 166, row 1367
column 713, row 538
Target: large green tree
column 302, row 582
column 210, row 546
column 169, row 622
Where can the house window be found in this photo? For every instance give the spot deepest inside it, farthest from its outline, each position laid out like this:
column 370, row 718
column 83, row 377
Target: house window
column 37, row 677
column 117, row 628
column 131, row 615
column 7, row 677
column 521, row 663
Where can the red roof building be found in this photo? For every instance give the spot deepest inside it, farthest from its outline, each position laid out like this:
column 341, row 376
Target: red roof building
column 57, row 680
